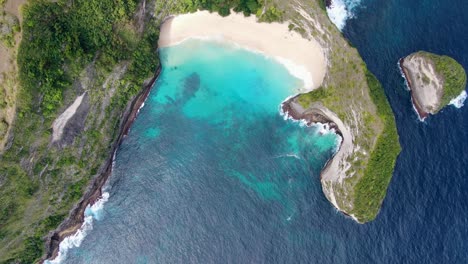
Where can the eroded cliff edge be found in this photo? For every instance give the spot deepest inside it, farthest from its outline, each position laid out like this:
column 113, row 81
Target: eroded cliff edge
column 353, row 101
column 433, row 80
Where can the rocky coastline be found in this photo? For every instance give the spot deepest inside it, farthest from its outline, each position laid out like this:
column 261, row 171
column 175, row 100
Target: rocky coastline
column 292, row 109
column 434, row 81
column 75, row 218
column 311, row 115
column 334, row 171
column 405, row 73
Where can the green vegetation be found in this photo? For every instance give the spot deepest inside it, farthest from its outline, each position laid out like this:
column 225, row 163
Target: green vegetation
column 357, row 98
column 113, row 44
column 372, row 187
column 322, row 4
column 9, row 26
column 65, row 42
column 223, row 7
column 60, row 39
column 453, row 73
column 266, row 11
column 272, row 14
column 34, row 244
column 3, row 128
column 368, row 191
column 316, row 95
column 73, row 36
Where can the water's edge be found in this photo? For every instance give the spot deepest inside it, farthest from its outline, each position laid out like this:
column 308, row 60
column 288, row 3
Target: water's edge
column 405, row 74
column 75, row 218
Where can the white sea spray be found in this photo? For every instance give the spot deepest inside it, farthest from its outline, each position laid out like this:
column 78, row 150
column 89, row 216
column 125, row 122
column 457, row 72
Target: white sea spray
column 404, row 76
column 459, row 101
column 341, row 10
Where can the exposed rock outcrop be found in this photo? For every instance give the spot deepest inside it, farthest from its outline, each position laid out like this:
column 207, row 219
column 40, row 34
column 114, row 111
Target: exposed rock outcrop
column 432, row 80
column 335, row 170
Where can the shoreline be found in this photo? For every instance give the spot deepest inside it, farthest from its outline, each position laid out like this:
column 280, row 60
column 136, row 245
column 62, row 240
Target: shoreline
column 332, row 171
column 418, row 109
column 311, row 71
column 310, row 118
column 315, row 116
column 303, row 58
column 75, row 219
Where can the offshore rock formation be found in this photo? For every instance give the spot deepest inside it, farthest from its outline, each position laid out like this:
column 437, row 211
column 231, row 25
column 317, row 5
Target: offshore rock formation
column 433, row 81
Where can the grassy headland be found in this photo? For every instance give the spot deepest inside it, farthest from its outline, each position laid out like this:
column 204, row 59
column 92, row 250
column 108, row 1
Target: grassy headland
column 106, row 48
column 371, row 189
column 358, row 99
column 451, row 71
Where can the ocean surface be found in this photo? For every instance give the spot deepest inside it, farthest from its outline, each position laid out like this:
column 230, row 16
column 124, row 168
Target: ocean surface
column 212, row 173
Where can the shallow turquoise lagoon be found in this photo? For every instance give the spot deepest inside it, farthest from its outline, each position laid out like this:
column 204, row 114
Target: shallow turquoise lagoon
column 211, row 171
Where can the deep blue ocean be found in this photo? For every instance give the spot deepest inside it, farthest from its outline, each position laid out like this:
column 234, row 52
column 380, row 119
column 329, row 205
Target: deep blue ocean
column 212, row 173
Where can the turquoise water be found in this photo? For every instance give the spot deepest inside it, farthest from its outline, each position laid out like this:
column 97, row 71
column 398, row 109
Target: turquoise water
column 210, row 166
column 201, row 190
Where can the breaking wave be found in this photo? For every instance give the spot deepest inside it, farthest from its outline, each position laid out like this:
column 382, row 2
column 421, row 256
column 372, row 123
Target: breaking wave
column 340, row 11
column 74, row 241
column 459, row 101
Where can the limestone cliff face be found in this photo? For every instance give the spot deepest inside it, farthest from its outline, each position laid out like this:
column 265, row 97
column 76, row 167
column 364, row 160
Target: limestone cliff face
column 352, row 101
column 335, row 172
column 433, row 80
column 426, row 85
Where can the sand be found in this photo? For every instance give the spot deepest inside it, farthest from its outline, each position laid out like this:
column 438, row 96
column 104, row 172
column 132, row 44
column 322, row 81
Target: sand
column 303, row 58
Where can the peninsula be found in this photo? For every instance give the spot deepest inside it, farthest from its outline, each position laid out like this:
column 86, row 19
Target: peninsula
column 434, row 81
column 356, row 178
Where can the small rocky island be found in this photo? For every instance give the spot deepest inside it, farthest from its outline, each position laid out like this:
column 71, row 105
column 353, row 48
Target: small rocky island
column 434, row 81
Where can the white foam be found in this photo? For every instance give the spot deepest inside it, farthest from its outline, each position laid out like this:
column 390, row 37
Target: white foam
column 338, row 13
column 141, row 106
column 322, row 128
column 298, row 71
column 459, row 101
column 421, row 119
column 404, row 76
column 290, row 155
column 341, row 10
column 339, row 140
column 74, row 241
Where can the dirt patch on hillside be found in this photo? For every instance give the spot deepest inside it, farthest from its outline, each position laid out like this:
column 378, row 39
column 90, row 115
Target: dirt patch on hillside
column 13, row 7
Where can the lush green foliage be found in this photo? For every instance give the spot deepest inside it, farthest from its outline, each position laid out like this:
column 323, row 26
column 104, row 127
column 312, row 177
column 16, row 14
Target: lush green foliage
column 3, row 128
column 59, row 40
column 453, row 73
column 9, row 26
column 272, row 14
column 264, row 10
column 55, row 36
column 372, row 187
column 315, row 95
column 223, row 7
column 34, row 245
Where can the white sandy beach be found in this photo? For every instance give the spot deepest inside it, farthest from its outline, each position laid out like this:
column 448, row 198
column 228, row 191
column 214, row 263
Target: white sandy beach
column 303, row 58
